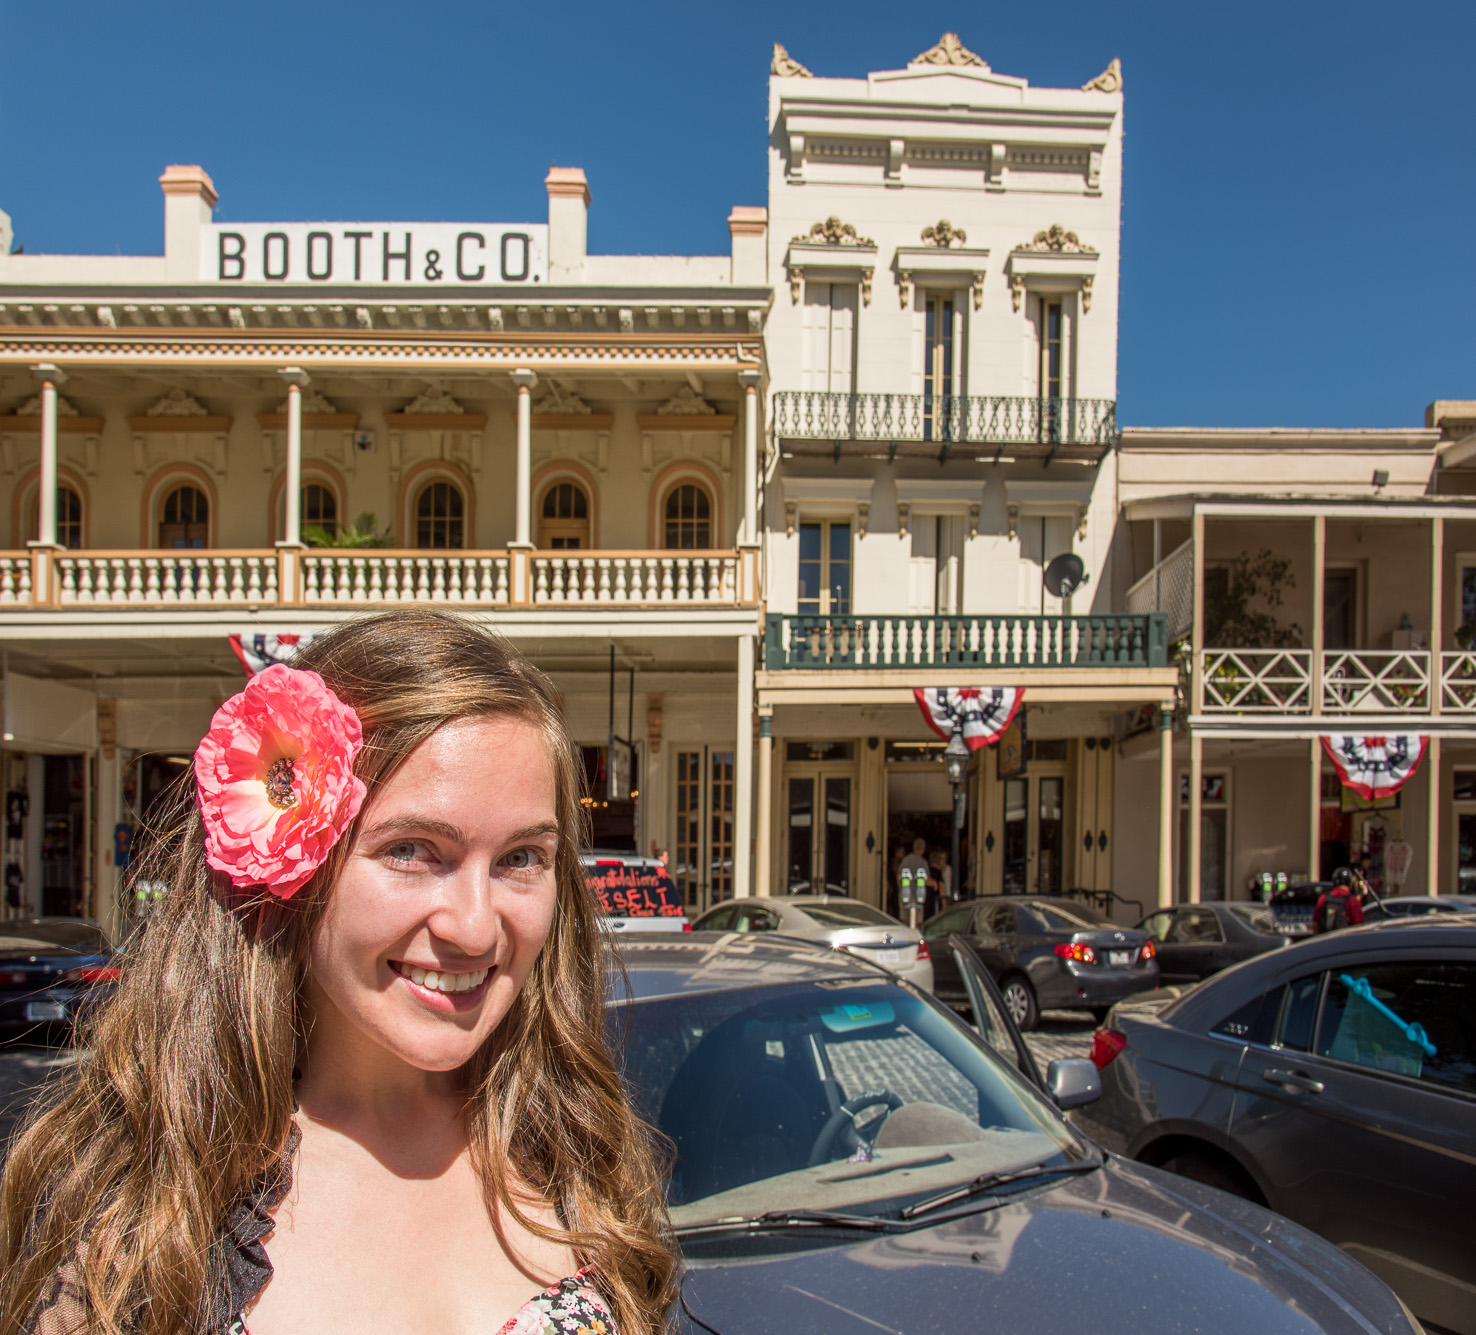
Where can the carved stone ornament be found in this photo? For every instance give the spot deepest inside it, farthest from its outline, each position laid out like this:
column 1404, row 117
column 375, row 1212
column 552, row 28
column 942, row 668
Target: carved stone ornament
column 32, row 407
column 686, row 402
column 555, row 399
column 433, row 400
column 833, row 232
column 1086, row 294
column 313, row 401
column 786, row 67
column 177, row 403
column 796, row 283
column 1017, row 291
column 1108, row 81
column 943, row 234
column 1058, row 239
column 948, row 51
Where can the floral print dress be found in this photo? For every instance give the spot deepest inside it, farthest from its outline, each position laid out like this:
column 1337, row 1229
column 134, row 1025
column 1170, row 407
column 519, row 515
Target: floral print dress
column 570, row 1307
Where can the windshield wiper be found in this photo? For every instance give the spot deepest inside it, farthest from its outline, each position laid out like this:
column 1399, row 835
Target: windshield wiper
column 866, row 1223
column 987, row 1182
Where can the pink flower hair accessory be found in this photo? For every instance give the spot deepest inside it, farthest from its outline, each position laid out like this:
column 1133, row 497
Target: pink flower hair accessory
column 275, row 780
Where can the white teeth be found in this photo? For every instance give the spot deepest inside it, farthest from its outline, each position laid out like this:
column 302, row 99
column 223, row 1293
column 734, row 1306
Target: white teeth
column 417, row 976
column 439, row 981
column 433, row 980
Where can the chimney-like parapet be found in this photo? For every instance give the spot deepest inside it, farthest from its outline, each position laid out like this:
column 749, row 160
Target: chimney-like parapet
column 189, row 203
column 749, row 228
column 568, row 223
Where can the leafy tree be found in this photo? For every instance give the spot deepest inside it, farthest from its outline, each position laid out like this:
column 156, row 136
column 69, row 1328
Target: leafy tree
column 361, row 533
column 1240, row 603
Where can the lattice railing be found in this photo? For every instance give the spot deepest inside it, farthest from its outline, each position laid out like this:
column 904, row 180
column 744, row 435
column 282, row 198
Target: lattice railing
column 1168, row 588
column 1458, row 681
column 1257, row 681
column 1376, row 681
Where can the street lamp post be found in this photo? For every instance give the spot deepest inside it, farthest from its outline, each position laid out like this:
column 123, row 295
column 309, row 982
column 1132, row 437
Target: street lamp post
column 956, row 759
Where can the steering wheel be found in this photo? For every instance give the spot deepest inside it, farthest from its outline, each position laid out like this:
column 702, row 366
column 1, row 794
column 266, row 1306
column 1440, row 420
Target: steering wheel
column 820, row 1151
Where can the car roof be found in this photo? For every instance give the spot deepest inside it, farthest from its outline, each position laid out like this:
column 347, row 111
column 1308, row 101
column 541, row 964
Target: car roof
column 668, row 964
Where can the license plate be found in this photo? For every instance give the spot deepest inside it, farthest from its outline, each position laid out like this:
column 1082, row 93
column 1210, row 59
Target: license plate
column 888, row 956
column 45, row 1010
column 1120, row 958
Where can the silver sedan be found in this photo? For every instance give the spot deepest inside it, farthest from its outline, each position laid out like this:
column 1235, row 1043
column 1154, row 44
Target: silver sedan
column 836, row 921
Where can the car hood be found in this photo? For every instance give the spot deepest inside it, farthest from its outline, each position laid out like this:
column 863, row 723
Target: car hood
column 1128, row 1249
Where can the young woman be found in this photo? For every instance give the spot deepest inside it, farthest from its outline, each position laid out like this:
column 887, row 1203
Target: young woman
column 355, row 1076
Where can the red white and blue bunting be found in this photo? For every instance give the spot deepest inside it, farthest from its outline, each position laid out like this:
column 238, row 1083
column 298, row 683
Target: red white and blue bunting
column 1375, row 767
column 982, row 712
column 259, row 652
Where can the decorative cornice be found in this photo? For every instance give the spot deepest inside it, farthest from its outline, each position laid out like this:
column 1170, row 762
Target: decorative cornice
column 433, row 402
column 686, row 402
column 784, row 66
column 943, row 233
column 32, row 407
column 1108, row 81
column 833, row 232
column 177, row 403
column 1056, row 238
column 948, row 51
column 556, row 401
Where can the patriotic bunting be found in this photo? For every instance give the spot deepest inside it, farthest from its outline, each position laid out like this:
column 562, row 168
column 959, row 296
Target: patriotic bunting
column 983, row 713
column 259, row 652
column 1375, row 767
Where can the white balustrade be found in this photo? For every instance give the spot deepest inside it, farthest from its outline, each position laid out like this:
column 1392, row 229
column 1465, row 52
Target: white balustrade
column 636, row 577
column 1458, row 681
column 379, row 577
column 15, row 581
column 197, row 578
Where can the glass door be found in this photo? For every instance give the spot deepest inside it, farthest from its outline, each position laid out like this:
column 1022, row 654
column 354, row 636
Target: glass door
column 702, row 860
column 1034, row 835
column 818, row 822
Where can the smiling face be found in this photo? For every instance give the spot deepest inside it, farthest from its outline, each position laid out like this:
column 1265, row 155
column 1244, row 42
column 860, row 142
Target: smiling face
column 445, row 899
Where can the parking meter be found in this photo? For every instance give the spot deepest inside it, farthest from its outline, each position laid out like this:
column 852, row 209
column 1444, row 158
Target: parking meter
column 912, row 886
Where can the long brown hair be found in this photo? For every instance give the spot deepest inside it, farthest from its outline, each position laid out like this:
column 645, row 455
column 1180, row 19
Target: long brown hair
column 123, row 1179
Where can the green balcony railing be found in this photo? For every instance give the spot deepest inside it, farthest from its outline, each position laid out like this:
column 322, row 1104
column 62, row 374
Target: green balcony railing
column 1001, row 420
column 905, row 641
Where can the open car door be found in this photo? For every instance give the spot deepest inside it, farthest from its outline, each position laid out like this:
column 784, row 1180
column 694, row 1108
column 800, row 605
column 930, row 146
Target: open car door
column 990, row 1019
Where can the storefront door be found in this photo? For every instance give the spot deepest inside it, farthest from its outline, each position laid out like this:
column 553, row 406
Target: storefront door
column 702, row 860
column 819, row 800
column 1035, row 833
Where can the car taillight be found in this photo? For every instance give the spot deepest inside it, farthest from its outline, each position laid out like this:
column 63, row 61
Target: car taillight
column 1106, row 1044
column 686, row 926
column 1148, row 952
column 923, row 953
column 1078, row 951
column 93, row 973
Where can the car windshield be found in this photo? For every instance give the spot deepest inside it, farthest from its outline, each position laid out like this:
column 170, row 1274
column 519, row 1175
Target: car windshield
column 1071, row 917
column 1252, row 915
column 749, row 1085
column 846, row 915
column 85, row 937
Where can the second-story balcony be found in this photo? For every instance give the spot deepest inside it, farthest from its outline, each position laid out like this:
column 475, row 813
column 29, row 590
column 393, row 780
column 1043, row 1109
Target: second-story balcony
column 1022, row 426
column 205, row 579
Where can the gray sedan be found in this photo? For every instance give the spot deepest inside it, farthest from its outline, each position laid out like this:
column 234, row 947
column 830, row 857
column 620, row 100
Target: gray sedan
column 1334, row 1081
column 837, row 921
column 850, row 1158
column 1196, row 940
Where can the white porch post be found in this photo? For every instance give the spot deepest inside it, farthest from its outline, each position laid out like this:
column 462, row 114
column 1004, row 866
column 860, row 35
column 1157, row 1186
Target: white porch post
column 1314, row 821
column 1166, row 805
column 50, row 377
column 525, row 380
column 1432, row 832
column 1192, row 891
column 762, row 851
column 1437, row 690
column 748, row 531
column 1319, row 593
column 296, row 378
column 743, row 773
column 1196, row 664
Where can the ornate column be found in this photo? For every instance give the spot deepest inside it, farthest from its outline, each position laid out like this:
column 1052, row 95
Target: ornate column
column 525, row 380
column 1192, row 892
column 1165, row 805
column 743, row 773
column 762, row 853
column 296, row 378
column 50, row 377
column 748, row 532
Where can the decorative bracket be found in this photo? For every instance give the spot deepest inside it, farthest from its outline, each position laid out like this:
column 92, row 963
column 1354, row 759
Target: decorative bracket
column 863, row 517
column 796, row 283
column 791, row 517
column 866, row 286
column 978, row 288
column 973, row 519
column 1086, row 294
column 904, row 288
column 1017, row 291
column 1012, row 521
column 904, row 514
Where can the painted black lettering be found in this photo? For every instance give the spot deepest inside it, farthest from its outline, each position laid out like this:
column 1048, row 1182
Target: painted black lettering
column 433, row 265
column 461, row 269
column 235, row 256
column 325, row 241
column 358, row 238
column 266, row 255
column 396, row 255
column 522, row 251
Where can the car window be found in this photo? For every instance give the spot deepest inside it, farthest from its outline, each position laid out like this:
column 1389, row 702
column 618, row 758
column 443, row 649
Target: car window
column 1252, row 915
column 719, row 920
column 751, row 918
column 1196, row 926
column 1071, row 917
column 1300, row 1013
column 1414, row 1018
column 951, row 920
column 997, row 918
column 1028, row 923
column 1254, row 1022
column 847, row 915
column 21, row 934
column 1157, row 924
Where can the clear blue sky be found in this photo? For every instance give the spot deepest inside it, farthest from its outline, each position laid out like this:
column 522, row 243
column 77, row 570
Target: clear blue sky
column 1298, row 206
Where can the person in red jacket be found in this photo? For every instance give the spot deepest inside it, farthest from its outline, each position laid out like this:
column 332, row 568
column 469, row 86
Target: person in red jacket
column 1338, row 907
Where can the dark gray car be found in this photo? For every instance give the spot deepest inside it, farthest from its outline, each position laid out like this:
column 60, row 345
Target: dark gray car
column 1334, row 1081
column 851, row 1158
column 1045, row 953
column 1196, row 940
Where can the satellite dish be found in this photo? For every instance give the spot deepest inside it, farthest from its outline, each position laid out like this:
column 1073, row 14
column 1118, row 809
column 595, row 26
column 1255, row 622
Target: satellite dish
column 1065, row 575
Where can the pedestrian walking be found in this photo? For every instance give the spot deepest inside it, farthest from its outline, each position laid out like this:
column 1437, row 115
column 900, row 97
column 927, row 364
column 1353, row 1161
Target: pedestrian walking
column 1338, row 907
column 358, row 1058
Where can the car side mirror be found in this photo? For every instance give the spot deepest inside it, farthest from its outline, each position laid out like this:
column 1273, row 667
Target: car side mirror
column 1073, row 1081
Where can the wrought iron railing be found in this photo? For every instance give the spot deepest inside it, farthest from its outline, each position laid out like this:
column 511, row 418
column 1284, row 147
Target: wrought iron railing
column 908, row 641
column 985, row 419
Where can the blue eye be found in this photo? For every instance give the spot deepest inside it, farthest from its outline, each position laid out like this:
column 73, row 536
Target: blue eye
column 407, row 850
column 525, row 859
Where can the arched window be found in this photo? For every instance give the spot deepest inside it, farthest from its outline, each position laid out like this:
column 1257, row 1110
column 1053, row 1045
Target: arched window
column 68, row 518
column 320, row 507
column 184, row 518
column 688, row 518
column 563, row 522
column 440, row 511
